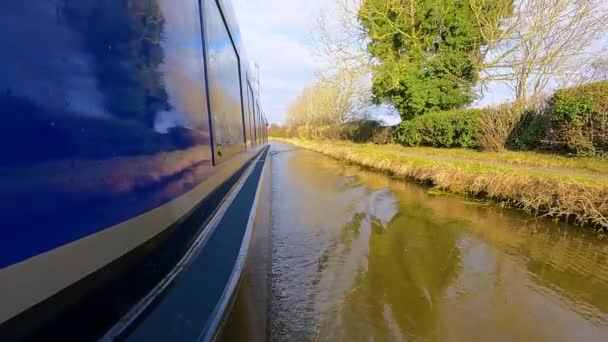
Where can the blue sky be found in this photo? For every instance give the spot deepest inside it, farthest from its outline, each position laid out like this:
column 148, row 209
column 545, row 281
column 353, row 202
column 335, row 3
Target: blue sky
column 276, row 34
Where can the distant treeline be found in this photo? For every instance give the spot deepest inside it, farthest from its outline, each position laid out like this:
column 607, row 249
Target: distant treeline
column 356, row 131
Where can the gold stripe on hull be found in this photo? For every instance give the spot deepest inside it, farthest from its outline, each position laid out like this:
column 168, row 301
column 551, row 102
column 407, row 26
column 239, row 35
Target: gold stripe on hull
column 30, row 282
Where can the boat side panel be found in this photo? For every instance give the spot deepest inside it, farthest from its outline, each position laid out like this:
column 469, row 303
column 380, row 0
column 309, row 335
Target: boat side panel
column 104, row 116
column 105, row 139
column 28, row 283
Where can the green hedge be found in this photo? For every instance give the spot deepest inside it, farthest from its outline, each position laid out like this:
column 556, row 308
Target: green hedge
column 455, row 128
column 579, row 119
column 530, row 132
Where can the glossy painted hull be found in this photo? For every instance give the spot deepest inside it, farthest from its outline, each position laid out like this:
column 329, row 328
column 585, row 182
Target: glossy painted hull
column 111, row 135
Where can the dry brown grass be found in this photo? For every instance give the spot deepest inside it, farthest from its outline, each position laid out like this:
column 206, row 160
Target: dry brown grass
column 496, row 125
column 575, row 198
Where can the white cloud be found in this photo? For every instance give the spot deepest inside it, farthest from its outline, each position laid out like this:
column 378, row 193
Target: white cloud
column 276, row 35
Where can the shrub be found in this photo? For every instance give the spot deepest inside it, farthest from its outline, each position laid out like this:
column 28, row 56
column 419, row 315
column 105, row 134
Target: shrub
column 277, row 131
column 356, row 131
column 497, row 125
column 320, row 132
column 333, row 132
column 579, row 119
column 360, row 130
column 408, row 133
column 382, row 136
column 455, row 128
column 530, row 131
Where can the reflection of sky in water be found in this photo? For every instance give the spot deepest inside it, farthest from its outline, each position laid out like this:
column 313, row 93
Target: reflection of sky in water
column 381, row 205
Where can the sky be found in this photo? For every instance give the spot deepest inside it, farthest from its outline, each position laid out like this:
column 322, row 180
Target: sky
column 277, row 36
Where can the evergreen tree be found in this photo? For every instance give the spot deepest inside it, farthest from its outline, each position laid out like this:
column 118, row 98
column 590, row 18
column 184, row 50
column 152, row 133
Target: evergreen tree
column 428, row 52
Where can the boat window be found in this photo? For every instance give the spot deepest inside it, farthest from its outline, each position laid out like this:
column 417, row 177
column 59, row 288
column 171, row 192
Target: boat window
column 224, row 84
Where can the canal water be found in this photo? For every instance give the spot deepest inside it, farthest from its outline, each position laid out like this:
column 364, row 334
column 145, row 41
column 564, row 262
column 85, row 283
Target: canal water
column 358, row 256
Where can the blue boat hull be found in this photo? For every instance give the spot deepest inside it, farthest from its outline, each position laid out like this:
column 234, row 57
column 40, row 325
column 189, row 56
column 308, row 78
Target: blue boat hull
column 124, row 123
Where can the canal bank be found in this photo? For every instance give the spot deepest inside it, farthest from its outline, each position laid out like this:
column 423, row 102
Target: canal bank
column 358, row 256
column 547, row 186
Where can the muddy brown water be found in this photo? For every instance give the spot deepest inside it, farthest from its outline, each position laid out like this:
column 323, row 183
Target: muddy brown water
column 358, row 256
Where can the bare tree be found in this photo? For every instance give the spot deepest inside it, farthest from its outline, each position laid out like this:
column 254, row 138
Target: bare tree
column 340, row 39
column 329, row 101
column 542, row 44
column 353, row 98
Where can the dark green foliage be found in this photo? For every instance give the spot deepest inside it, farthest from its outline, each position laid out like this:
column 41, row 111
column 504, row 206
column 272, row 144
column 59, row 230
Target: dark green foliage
column 428, row 53
column 572, row 109
column 360, row 130
column 579, row 119
column 456, row 128
column 530, row 132
column 575, row 121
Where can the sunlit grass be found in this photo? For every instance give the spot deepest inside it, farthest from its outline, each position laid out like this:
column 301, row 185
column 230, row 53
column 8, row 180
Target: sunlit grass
column 518, row 158
column 581, row 164
column 555, row 186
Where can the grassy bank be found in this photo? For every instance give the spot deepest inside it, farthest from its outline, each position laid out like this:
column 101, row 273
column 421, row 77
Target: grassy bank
column 575, row 189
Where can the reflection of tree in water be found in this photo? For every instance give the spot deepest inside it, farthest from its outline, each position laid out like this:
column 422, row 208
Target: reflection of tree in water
column 123, row 38
column 410, row 264
column 351, row 231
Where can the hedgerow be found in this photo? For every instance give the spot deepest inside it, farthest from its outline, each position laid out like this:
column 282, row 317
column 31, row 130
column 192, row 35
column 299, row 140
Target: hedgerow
column 579, row 120
column 455, row 128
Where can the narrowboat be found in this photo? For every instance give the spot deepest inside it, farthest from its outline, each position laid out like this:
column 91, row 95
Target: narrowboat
column 132, row 171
